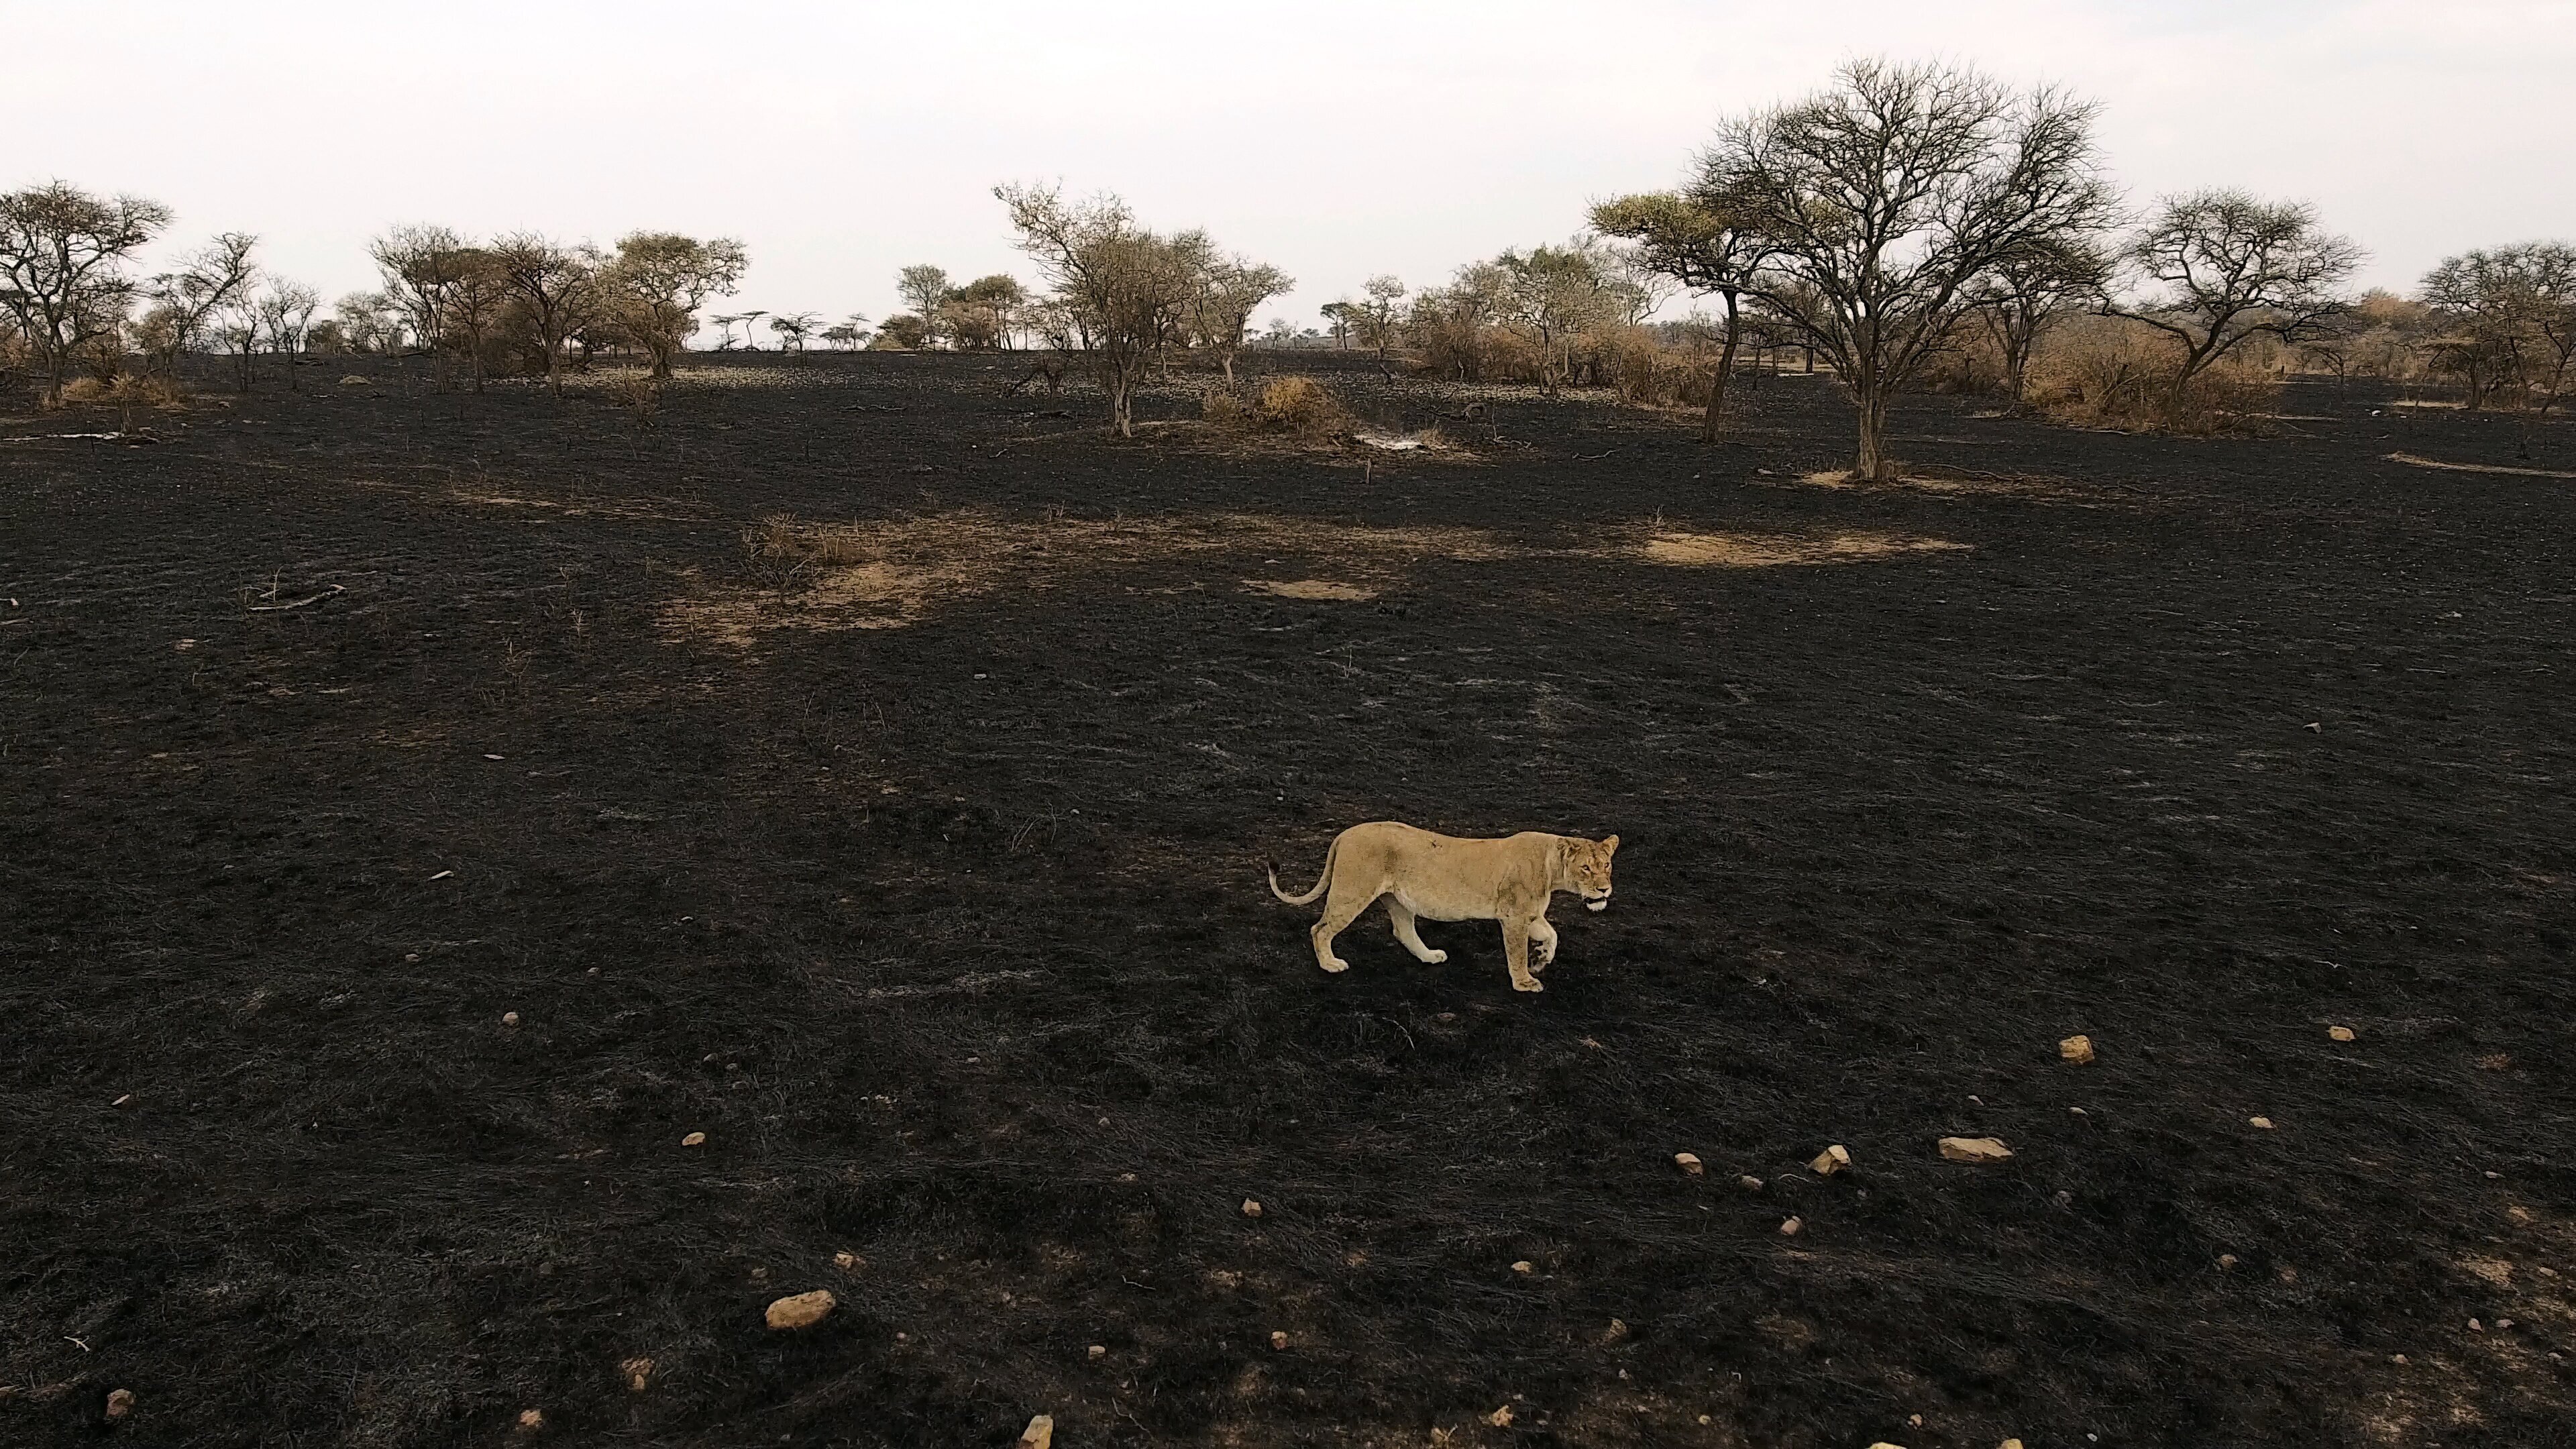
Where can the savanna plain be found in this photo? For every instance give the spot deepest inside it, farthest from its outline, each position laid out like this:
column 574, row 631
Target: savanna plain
column 497, row 890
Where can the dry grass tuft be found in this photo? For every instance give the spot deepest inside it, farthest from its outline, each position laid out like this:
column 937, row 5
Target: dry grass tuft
column 894, row 572
column 1739, row 550
column 1311, row 589
column 1298, row 406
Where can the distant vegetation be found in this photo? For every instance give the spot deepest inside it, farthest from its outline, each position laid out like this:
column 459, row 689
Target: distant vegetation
column 1908, row 227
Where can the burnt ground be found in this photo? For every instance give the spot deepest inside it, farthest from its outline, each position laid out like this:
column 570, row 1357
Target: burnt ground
column 914, row 862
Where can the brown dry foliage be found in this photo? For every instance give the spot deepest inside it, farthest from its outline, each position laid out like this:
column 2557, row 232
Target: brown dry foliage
column 2107, row 373
column 890, row 573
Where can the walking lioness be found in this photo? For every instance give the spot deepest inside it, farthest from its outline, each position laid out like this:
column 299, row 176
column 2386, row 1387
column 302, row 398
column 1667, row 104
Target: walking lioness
column 1426, row 876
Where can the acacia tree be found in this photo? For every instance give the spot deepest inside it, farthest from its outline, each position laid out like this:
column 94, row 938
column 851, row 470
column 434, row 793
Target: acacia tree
column 475, row 303
column 2508, row 316
column 421, row 266
column 63, row 277
column 793, row 328
column 2023, row 294
column 925, row 287
column 1122, row 288
column 2216, row 267
column 653, row 287
column 285, row 312
column 1704, row 247
column 559, row 284
column 1224, row 292
column 1551, row 295
column 1884, row 198
column 184, row 298
column 370, row 321
column 981, row 313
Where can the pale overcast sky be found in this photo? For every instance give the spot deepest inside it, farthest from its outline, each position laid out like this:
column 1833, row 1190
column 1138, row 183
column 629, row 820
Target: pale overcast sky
column 1338, row 140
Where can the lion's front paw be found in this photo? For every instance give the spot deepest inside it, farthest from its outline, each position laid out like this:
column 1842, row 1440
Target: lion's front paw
column 1528, row 983
column 1435, row 958
column 1335, row 965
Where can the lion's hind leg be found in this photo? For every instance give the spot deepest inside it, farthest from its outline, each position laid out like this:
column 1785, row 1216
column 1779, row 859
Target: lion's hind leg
column 1401, row 915
column 1341, row 907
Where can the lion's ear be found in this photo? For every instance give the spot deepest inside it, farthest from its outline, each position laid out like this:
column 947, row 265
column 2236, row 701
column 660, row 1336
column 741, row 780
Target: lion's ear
column 1610, row 845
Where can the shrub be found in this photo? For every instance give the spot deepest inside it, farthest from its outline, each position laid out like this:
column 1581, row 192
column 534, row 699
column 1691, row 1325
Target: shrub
column 2109, row 373
column 1299, row 405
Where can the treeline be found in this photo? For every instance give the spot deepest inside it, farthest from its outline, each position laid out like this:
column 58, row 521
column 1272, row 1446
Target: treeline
column 1909, row 226
column 81, row 322
column 1924, row 227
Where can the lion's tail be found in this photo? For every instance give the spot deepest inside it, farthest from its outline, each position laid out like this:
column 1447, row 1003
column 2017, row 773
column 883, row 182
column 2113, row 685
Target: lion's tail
column 1321, row 883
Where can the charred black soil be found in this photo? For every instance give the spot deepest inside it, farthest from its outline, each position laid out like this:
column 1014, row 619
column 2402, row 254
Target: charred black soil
column 420, row 812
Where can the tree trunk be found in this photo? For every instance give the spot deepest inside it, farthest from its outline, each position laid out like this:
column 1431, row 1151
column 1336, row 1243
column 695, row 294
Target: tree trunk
column 1875, row 465
column 1713, row 424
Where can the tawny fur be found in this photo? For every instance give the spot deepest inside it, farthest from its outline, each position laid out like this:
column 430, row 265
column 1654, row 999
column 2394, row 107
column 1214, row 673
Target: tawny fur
column 1427, row 876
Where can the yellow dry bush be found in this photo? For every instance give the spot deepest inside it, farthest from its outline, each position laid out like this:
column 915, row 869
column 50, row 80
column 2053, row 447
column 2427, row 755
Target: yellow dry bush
column 2110, row 373
column 1300, row 405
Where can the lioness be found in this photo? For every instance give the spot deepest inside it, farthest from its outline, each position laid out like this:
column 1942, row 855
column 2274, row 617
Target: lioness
column 1444, row 878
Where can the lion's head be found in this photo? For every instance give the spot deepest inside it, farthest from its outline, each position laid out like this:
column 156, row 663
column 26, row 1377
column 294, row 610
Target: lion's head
column 1587, row 865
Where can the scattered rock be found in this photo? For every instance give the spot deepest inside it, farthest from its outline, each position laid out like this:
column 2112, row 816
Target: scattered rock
column 1789, row 1226
column 1040, row 1434
column 802, row 1310
column 848, row 1262
column 125, row 1101
column 694, row 1139
column 511, row 1018
column 2077, row 1049
column 2009, row 1444
column 1252, row 1207
column 2339, row 1033
column 1617, row 1332
column 1099, row 1351
column 639, row 1374
column 2227, row 1262
column 1525, row 1266
column 1501, row 1418
column 1749, row 1183
column 531, row 1420
column 1689, row 1162
column 2263, row 1123
column 1974, row 1149
column 2476, row 1327
column 353, row 380
column 2518, row 1213
column 2397, row 1358
column 120, row 1402
column 1278, row 1338
column 1830, row 1161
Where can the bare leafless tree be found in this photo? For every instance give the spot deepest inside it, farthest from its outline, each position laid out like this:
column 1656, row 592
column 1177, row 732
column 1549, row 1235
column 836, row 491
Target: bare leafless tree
column 474, row 305
column 185, row 297
column 1122, row 288
column 560, row 285
column 421, row 266
column 1882, row 200
column 1701, row 246
column 2023, row 294
column 285, row 311
column 2215, row 268
column 370, row 321
column 64, row 279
